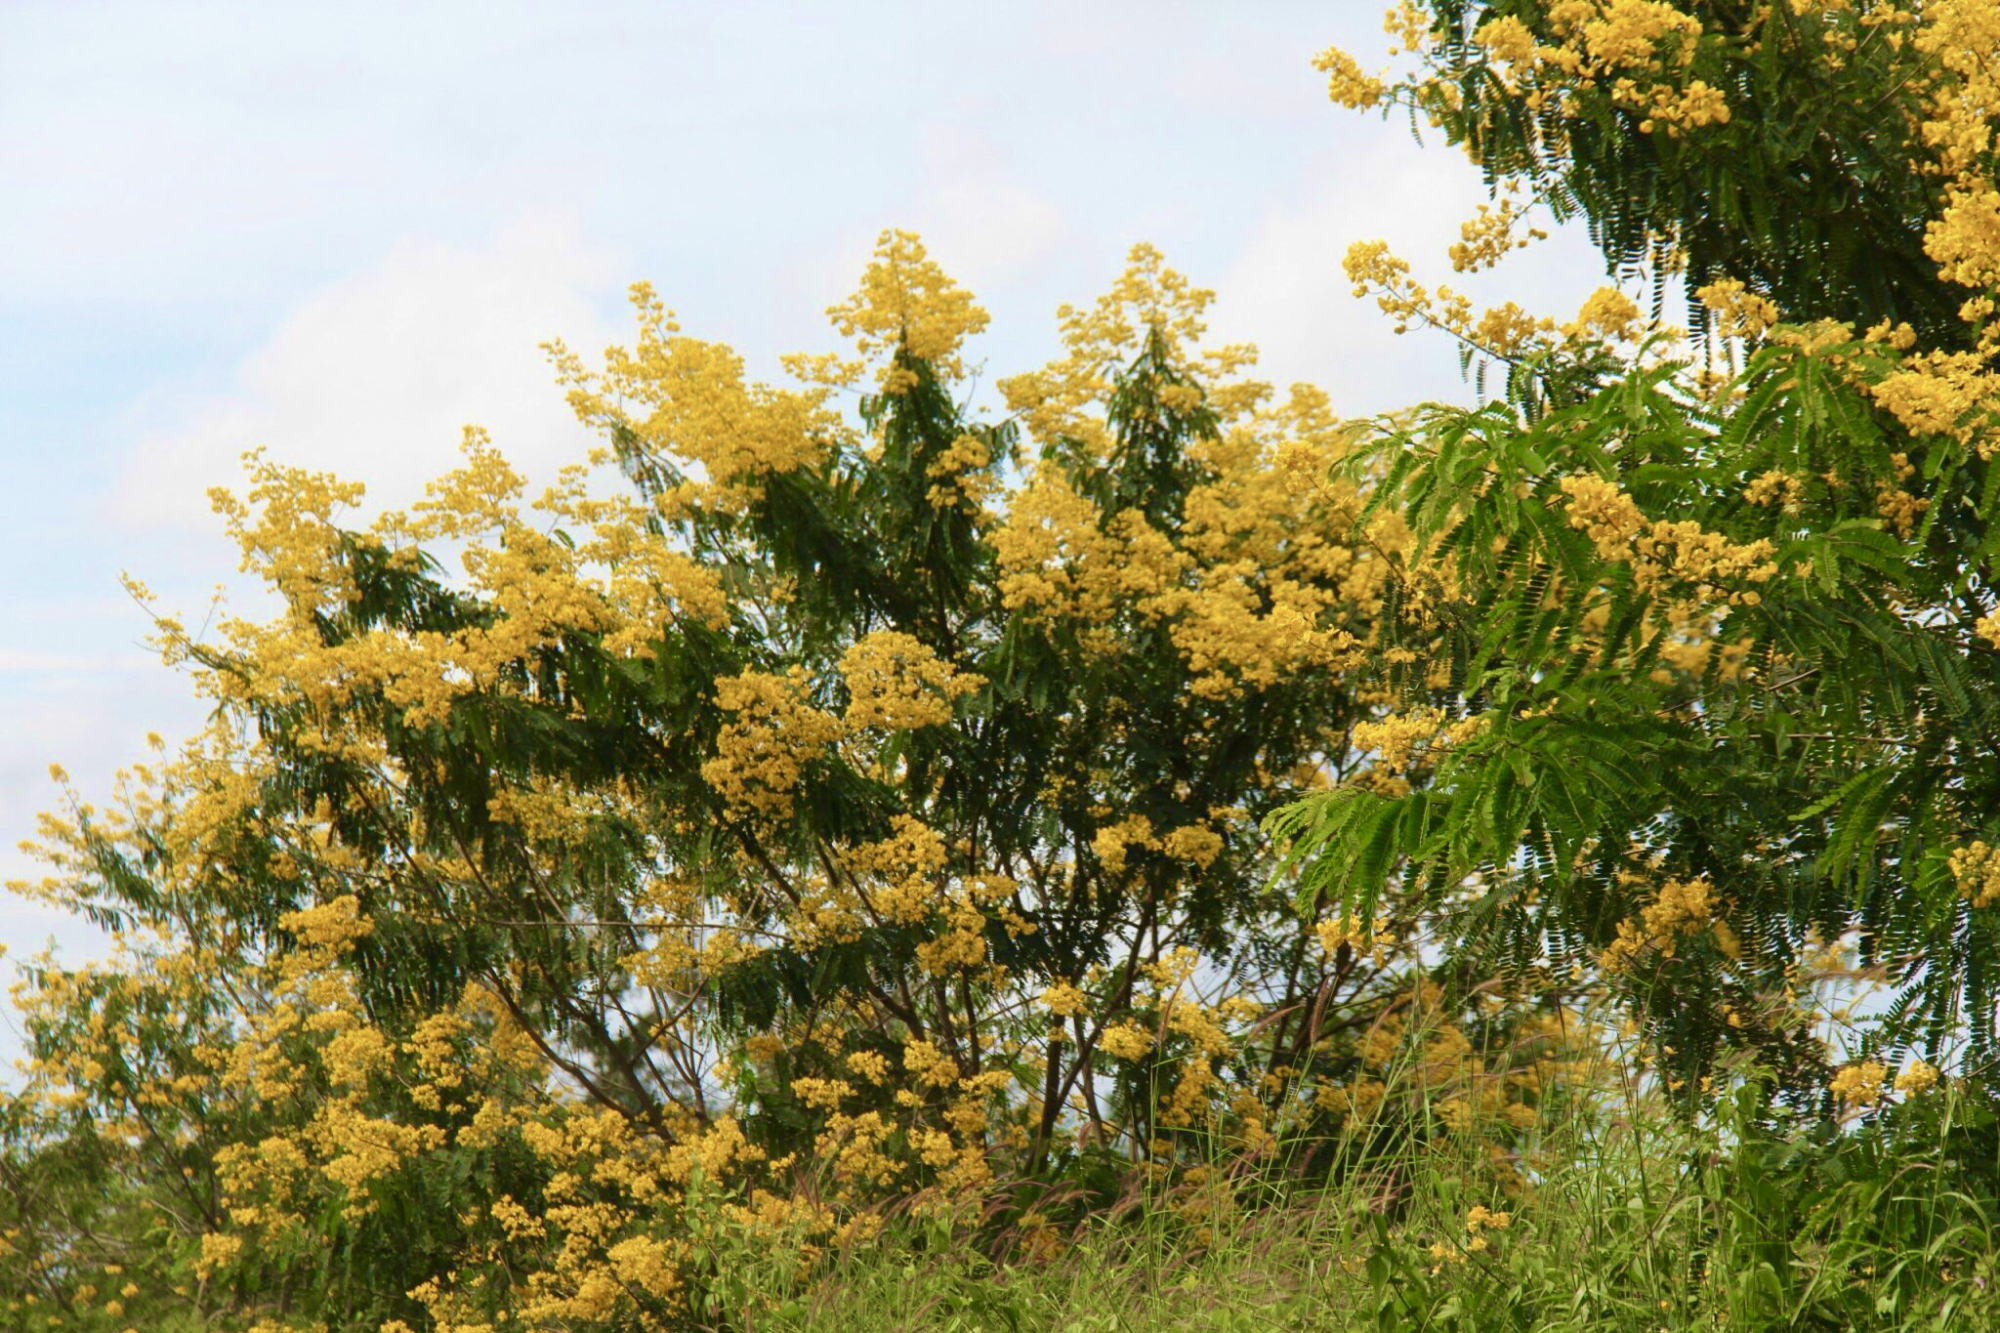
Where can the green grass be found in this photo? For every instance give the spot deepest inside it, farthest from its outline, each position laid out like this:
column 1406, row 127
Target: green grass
column 1634, row 1222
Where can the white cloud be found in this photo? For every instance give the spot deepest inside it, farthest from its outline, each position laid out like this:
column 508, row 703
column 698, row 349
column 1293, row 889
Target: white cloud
column 35, row 662
column 374, row 377
column 994, row 229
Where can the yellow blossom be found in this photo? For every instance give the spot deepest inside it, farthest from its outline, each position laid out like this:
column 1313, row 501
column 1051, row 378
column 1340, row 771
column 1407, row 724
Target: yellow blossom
column 1859, row 1084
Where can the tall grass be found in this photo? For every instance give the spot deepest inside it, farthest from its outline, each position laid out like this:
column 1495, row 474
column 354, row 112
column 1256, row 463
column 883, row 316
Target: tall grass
column 1621, row 1215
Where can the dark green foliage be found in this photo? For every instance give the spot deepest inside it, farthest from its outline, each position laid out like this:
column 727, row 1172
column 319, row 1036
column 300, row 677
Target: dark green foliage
column 1808, row 193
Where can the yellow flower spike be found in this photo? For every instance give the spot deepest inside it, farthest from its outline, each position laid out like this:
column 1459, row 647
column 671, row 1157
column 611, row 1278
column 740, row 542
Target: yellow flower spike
column 907, row 300
column 1346, row 83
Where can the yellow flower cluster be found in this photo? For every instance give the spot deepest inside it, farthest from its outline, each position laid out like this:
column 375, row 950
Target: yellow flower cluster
column 1064, row 1000
column 1953, row 394
column 957, row 474
column 1489, row 236
column 1346, row 82
column 1739, row 312
column 1404, row 740
column 1197, row 844
column 1781, row 490
column 1478, row 1220
column 1113, row 842
column 1125, row 1041
column 1627, row 34
column 1987, row 627
column 1683, row 907
column 906, row 301
column 293, row 540
column 1859, row 1084
column 903, row 874
column 894, row 681
column 1898, row 507
column 1058, row 559
column 1365, row 939
column 1920, row 1077
column 1260, row 566
column 1662, row 550
column 626, row 583
column 1637, row 52
column 1607, row 314
column 1976, row 868
column 684, row 398
column 1938, row 392
column 773, row 733
column 650, row 586
column 1637, row 49
column 1064, row 402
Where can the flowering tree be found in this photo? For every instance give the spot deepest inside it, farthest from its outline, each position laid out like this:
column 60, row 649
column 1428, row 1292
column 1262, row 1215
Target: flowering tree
column 1720, row 615
column 790, row 809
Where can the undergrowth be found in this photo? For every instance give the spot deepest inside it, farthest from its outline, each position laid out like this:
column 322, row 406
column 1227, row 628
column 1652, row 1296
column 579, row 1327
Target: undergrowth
column 1626, row 1218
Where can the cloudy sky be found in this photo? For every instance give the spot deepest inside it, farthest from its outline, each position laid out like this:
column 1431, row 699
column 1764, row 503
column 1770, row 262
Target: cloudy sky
column 341, row 230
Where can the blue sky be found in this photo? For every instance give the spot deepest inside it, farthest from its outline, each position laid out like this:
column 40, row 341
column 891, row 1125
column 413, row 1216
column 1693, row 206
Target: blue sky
column 341, row 230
